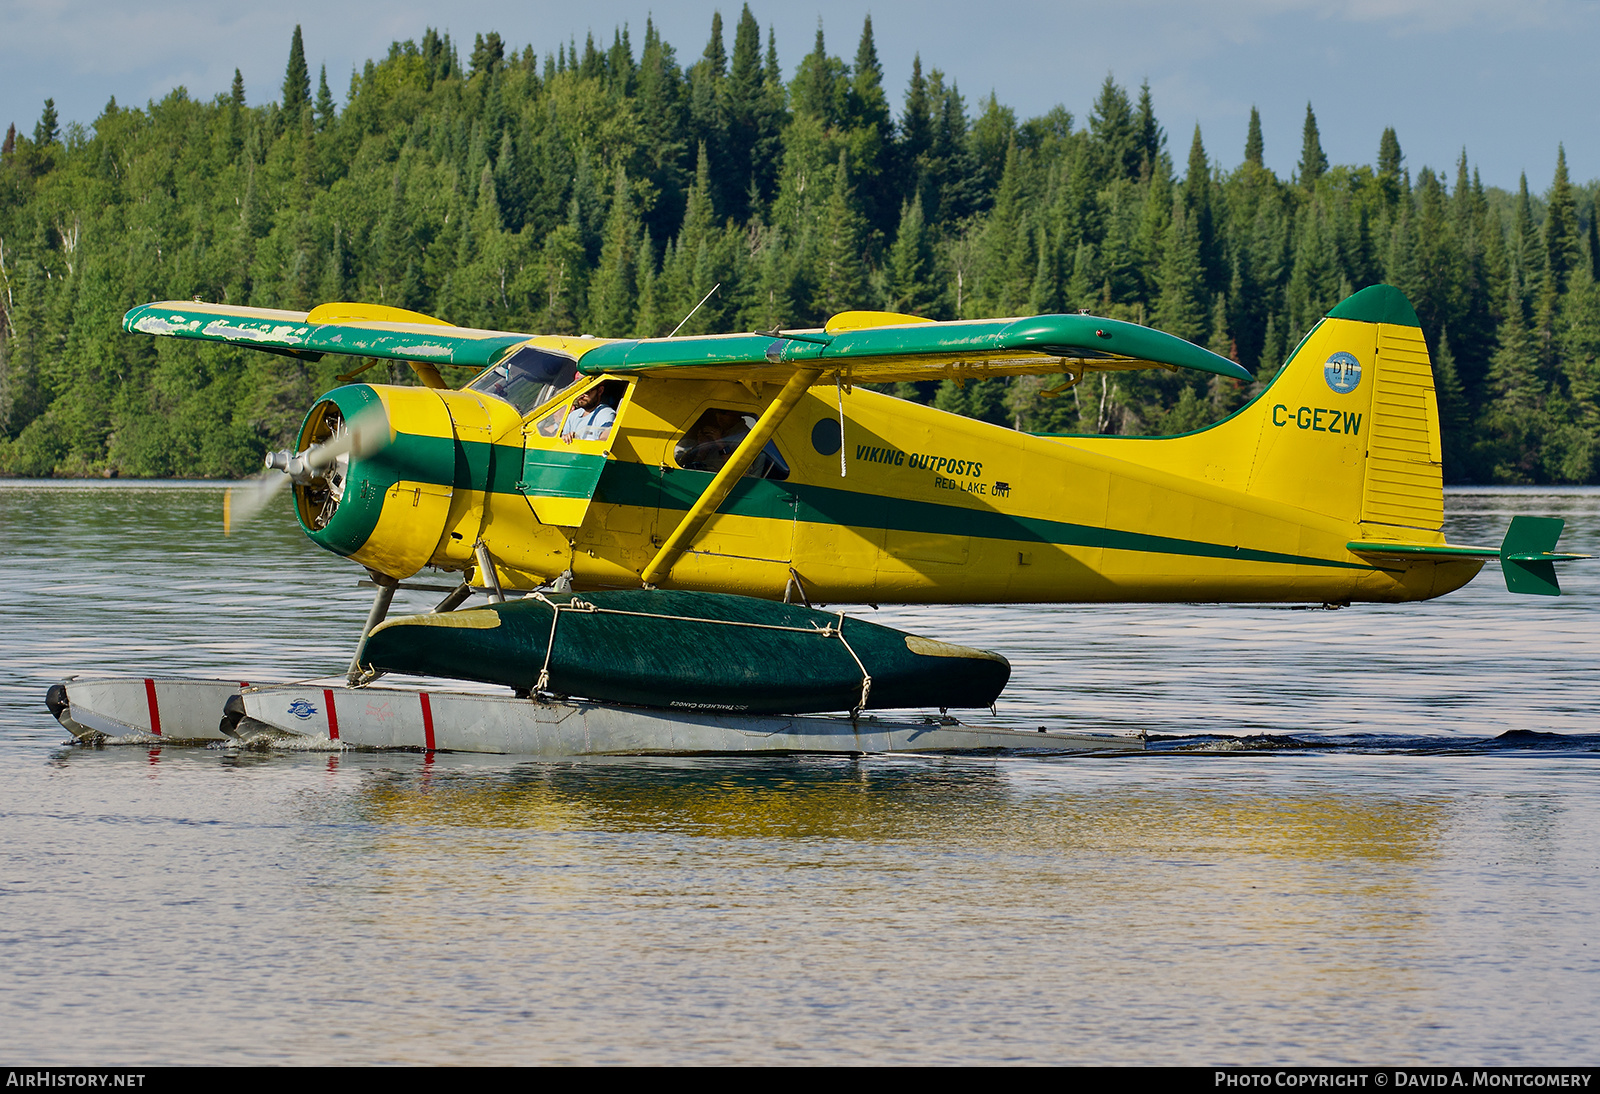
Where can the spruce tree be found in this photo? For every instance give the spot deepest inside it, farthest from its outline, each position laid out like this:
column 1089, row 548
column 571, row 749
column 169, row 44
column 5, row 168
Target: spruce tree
column 489, row 53
column 509, row 184
column 1197, row 200
column 1004, row 244
column 236, row 95
column 1252, row 142
column 1152, row 138
column 869, row 106
column 1455, row 419
column 1512, row 424
column 296, row 82
column 743, row 102
column 772, row 114
column 1435, row 285
column 621, row 73
column 1313, row 164
column 647, row 317
column 818, row 88
column 46, row 130
column 1562, row 249
column 1390, row 159
column 325, row 108
column 1046, row 296
column 715, row 57
column 1224, row 395
column 613, row 290
column 872, row 135
column 916, row 131
column 663, row 124
column 709, row 119
column 955, row 166
column 1181, row 308
column 840, row 274
column 1527, row 253
column 911, row 284
column 1594, row 241
column 692, row 271
column 1116, row 134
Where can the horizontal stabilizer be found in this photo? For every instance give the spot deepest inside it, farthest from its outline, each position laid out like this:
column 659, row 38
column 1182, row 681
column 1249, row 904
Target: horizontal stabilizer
column 1525, row 555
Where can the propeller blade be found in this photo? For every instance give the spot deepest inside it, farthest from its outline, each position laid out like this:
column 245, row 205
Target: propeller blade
column 246, row 499
column 364, row 434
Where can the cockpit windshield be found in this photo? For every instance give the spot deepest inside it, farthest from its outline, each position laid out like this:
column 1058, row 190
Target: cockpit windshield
column 528, row 378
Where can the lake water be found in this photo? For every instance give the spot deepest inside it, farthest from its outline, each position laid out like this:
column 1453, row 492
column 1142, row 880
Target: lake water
column 1368, row 836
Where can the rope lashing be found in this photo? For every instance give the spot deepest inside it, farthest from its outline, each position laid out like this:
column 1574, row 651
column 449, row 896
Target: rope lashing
column 831, row 630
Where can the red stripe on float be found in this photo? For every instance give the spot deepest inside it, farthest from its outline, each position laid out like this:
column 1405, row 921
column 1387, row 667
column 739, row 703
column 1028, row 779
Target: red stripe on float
column 155, row 708
column 427, row 723
column 333, row 715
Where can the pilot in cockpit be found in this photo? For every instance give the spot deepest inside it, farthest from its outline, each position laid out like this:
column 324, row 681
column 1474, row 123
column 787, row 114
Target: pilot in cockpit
column 591, row 417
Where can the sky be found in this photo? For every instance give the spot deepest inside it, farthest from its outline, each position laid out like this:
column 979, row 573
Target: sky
column 1505, row 79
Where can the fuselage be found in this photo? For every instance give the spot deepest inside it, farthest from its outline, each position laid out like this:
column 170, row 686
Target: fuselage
column 865, row 497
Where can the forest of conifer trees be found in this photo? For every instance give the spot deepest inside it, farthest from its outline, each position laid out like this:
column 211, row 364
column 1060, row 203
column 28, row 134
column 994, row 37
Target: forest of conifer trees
column 604, row 189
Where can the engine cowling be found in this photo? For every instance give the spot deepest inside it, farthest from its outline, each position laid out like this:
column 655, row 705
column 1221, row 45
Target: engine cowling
column 384, row 504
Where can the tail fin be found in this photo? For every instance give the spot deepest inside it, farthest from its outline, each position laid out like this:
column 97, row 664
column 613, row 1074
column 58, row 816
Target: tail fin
column 1349, row 427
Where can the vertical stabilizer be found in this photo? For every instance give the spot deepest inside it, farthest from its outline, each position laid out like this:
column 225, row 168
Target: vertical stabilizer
column 1350, row 426
column 1348, row 429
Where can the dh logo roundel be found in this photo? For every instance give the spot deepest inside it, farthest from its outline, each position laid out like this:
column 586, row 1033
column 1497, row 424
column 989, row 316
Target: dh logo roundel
column 1343, row 372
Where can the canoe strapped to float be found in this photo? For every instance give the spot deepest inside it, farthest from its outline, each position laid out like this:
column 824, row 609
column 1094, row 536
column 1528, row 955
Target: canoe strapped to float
column 577, row 604
column 685, row 650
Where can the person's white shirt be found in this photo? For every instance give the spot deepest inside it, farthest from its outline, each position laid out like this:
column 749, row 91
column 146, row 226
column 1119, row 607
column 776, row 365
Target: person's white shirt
column 591, row 424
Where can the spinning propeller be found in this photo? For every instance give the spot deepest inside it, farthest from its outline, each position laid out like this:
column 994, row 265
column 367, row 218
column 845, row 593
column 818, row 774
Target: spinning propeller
column 365, row 434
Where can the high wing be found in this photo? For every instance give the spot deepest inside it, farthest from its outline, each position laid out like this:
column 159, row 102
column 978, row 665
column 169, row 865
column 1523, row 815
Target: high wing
column 880, row 347
column 855, row 346
column 360, row 330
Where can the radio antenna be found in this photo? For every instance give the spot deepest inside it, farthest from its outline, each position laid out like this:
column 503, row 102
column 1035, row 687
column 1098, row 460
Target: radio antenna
column 694, row 309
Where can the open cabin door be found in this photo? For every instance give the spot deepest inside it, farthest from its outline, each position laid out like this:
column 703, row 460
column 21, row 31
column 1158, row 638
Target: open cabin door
column 565, row 450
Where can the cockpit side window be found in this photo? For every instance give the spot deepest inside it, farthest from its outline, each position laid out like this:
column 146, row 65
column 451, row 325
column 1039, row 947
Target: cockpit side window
column 528, row 378
column 710, row 442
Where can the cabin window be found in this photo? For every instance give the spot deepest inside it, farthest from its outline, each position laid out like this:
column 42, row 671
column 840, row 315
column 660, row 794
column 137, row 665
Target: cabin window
column 590, row 423
column 528, row 378
column 710, row 442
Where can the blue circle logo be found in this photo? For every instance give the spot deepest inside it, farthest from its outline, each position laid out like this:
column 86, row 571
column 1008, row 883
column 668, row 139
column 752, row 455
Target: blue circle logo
column 302, row 709
column 1343, row 372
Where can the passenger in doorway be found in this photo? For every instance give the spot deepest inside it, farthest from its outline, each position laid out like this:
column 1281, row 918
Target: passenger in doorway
column 591, row 417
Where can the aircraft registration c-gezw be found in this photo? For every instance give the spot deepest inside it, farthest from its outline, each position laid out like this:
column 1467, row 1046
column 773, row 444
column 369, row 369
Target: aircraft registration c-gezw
column 757, row 464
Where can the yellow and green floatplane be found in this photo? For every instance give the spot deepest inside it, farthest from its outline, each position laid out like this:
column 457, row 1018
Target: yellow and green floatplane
column 756, row 464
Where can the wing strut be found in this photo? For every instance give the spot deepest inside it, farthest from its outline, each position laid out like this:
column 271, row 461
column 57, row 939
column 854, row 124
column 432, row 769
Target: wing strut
column 743, row 456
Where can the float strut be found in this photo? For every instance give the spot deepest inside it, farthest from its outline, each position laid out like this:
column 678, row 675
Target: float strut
column 457, row 597
column 491, row 580
column 380, row 608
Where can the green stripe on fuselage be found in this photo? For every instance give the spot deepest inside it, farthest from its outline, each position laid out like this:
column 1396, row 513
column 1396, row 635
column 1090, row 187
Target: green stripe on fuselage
column 476, row 465
column 623, row 483
column 636, row 484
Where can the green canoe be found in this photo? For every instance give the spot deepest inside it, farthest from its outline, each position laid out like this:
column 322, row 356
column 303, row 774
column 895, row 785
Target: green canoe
column 695, row 651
